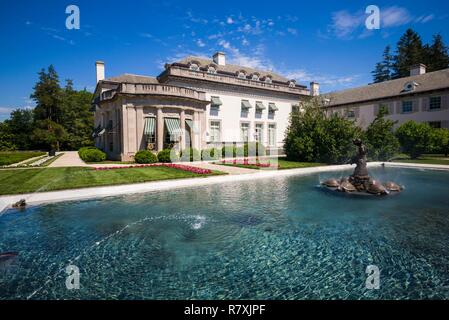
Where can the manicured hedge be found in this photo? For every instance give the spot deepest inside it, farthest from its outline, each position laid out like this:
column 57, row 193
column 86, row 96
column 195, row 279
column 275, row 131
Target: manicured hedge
column 190, row 154
column 145, row 156
column 211, row 154
column 166, row 156
column 91, row 154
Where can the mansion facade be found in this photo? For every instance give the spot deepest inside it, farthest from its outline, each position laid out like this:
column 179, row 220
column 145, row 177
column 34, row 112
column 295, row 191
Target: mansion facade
column 196, row 102
column 421, row 97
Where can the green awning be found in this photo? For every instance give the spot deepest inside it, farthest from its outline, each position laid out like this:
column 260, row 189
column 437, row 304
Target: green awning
column 246, row 105
column 150, row 126
column 260, row 106
column 272, row 107
column 173, row 126
column 189, row 123
column 216, row 102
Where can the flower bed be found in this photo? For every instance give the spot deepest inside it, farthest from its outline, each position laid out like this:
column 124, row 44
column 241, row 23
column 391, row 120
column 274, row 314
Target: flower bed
column 168, row 165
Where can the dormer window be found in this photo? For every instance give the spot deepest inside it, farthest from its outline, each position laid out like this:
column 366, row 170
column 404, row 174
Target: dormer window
column 194, row 67
column 410, row 86
column 292, row 83
column 268, row 79
column 211, row 70
column 255, row 77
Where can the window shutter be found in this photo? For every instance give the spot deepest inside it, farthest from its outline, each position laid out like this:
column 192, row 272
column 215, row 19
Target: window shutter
column 425, row 104
column 415, row 104
column 445, row 102
column 357, row 112
column 391, row 108
column 376, row 109
column 398, row 107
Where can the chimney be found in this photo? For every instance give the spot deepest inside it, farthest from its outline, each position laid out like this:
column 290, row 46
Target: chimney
column 417, row 69
column 314, row 89
column 99, row 67
column 219, row 58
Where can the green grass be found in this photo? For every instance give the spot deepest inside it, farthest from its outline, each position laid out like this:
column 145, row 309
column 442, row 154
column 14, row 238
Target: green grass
column 283, row 165
column 11, row 157
column 425, row 159
column 17, row 181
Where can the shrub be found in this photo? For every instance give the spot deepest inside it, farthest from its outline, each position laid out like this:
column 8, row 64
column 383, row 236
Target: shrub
column 380, row 139
column 227, row 151
column 415, row 138
column 190, row 154
column 252, row 149
column 314, row 136
column 167, row 155
column 145, row 156
column 440, row 141
column 91, row 154
column 211, row 154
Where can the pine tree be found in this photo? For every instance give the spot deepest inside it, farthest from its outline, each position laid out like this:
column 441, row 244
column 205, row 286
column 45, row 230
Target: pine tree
column 410, row 51
column 383, row 69
column 437, row 54
column 47, row 95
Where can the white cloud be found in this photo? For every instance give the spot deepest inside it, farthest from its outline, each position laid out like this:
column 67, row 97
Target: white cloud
column 347, row 25
column 229, row 20
column 200, row 43
column 325, row 80
column 292, row 31
column 394, row 17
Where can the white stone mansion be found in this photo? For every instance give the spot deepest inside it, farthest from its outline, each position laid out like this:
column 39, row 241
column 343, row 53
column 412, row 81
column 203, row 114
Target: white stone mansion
column 194, row 102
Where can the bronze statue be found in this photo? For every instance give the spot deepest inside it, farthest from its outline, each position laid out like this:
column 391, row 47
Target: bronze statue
column 360, row 182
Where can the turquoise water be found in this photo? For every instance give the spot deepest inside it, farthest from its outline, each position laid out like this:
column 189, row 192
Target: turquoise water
column 280, row 238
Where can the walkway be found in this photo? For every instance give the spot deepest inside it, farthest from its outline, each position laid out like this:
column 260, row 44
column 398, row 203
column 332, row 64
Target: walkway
column 68, row 159
column 227, row 169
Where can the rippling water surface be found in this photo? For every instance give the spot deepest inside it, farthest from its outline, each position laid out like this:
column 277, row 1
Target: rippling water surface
column 280, row 238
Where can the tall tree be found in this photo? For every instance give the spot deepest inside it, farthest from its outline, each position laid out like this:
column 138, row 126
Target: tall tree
column 19, row 126
column 437, row 57
column 76, row 118
column 409, row 52
column 383, row 69
column 47, row 95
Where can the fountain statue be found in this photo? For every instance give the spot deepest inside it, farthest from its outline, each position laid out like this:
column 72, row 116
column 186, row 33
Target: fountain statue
column 360, row 182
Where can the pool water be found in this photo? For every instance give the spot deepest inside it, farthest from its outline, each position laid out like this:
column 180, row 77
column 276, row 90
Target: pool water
column 281, row 238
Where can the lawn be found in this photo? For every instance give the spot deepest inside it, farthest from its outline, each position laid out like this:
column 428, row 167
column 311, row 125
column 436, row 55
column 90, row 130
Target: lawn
column 425, row 159
column 17, row 181
column 11, row 157
column 283, row 164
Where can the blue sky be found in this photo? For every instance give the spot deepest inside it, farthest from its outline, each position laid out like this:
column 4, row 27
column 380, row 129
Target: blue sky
column 323, row 41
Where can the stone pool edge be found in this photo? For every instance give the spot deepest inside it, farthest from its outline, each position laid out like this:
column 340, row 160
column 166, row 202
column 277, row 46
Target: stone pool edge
column 118, row 190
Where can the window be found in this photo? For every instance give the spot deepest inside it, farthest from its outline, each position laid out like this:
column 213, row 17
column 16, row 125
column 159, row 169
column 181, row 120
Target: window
column 244, row 131
column 215, row 131
column 292, row 84
column 211, row 70
column 410, row 86
column 268, row 79
column 435, row 103
column 111, row 146
column 194, row 67
column 350, row 114
column 296, row 108
column 258, row 134
column 435, row 124
column 241, row 75
column 407, row 106
column 272, row 134
column 255, row 77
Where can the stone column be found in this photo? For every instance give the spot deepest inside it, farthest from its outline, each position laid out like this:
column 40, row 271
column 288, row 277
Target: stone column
column 183, row 129
column 160, row 129
column 195, row 131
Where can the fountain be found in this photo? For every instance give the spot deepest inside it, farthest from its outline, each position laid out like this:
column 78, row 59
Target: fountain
column 360, row 183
